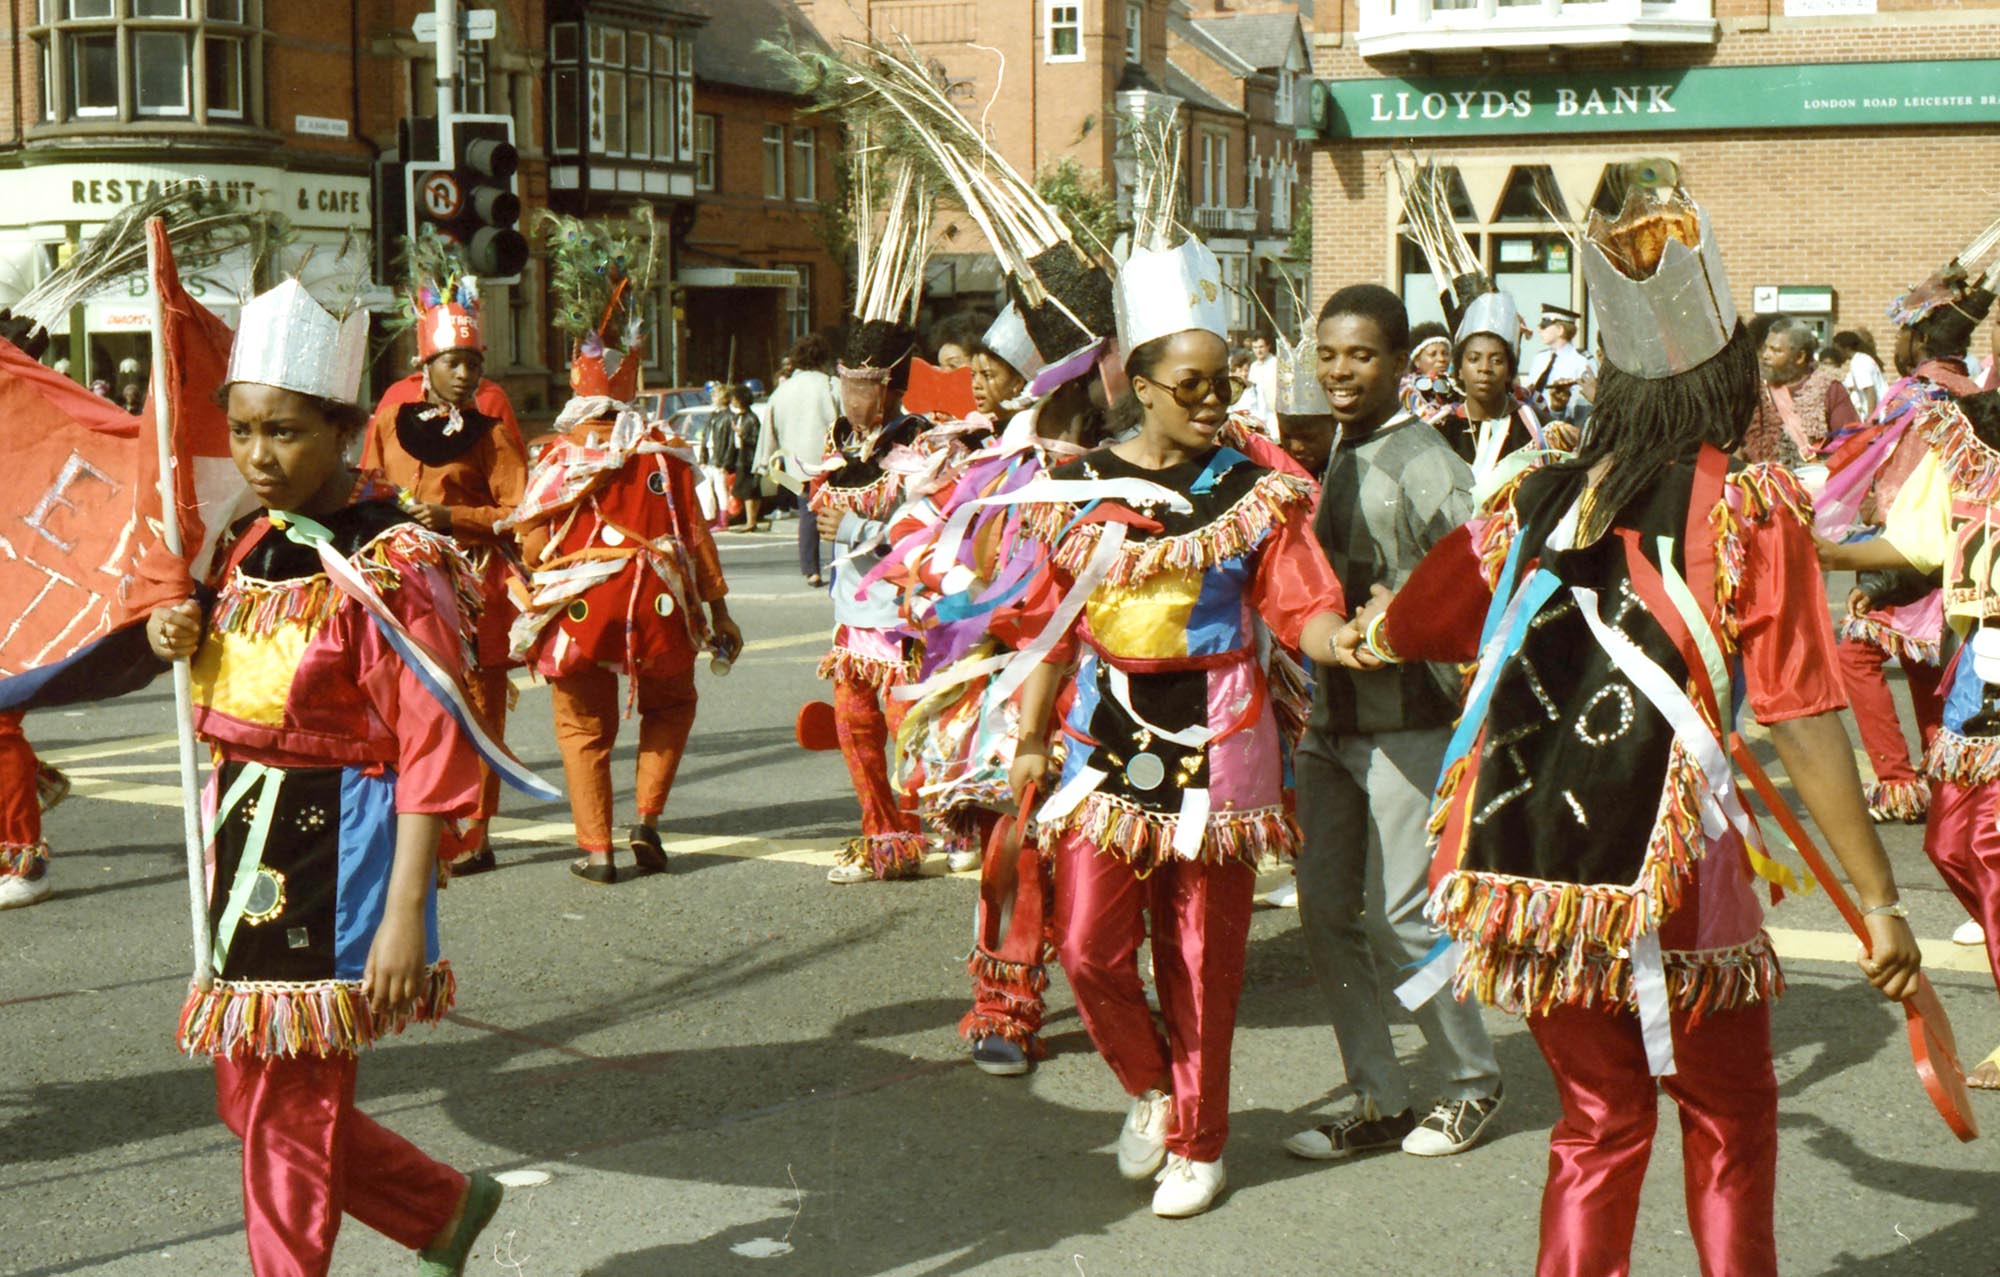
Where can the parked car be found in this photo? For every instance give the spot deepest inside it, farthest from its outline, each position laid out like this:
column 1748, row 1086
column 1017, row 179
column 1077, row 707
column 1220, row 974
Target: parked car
column 659, row 405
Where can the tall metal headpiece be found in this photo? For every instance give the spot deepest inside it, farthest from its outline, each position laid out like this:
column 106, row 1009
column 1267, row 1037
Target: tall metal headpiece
column 1299, row 391
column 1495, row 314
column 1008, row 338
column 1657, row 286
column 288, row 340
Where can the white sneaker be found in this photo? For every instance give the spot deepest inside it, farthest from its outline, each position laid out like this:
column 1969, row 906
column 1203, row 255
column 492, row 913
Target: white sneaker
column 962, row 860
column 857, row 871
column 17, row 892
column 1285, row 897
column 1969, row 933
column 1187, row 1187
column 1142, row 1144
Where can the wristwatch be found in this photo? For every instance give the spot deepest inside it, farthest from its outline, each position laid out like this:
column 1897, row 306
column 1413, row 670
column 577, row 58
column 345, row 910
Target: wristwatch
column 1894, row 909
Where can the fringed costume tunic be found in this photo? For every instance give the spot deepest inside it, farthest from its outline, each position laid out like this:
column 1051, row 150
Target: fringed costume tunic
column 324, row 733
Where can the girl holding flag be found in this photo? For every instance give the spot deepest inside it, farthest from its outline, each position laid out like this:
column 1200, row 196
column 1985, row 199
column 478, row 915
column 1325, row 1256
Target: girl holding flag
column 325, row 671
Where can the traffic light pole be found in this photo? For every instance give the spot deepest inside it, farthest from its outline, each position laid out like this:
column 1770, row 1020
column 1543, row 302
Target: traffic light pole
column 447, row 62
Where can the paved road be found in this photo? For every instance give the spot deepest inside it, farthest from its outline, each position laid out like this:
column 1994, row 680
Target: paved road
column 740, row 1059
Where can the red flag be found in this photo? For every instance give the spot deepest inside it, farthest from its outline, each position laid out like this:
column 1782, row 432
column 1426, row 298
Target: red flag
column 193, row 351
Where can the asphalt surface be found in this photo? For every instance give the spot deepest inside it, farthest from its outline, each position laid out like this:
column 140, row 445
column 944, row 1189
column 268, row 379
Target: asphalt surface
column 742, row 1069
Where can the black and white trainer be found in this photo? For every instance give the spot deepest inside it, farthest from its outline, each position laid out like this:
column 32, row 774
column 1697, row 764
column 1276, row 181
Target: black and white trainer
column 1452, row 1126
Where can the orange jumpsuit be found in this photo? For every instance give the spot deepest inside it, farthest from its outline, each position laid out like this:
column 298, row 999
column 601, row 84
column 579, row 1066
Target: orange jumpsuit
column 479, row 473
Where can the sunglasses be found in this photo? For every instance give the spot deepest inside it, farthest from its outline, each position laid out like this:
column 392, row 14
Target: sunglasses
column 1193, row 390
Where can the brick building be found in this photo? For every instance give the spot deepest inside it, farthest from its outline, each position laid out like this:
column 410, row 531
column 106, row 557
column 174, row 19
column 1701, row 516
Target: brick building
column 755, row 270
column 1046, row 80
column 1843, row 147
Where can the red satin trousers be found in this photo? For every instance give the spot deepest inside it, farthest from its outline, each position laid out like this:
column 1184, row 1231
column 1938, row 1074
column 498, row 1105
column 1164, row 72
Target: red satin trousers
column 1010, row 942
column 20, row 805
column 1964, row 843
column 865, row 717
column 587, row 711
column 1200, row 927
column 309, row 1157
column 1727, row 1093
column 1875, row 708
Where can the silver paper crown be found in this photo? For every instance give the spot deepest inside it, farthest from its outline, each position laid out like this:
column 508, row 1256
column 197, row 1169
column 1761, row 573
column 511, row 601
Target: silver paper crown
column 1496, row 315
column 1166, row 291
column 288, row 340
column 1008, row 338
column 1299, row 391
column 1675, row 317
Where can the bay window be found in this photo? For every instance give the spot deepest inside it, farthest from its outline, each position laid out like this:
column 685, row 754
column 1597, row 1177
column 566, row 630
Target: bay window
column 105, row 60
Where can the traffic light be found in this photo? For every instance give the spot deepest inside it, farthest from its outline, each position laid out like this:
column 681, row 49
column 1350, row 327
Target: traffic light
column 469, row 195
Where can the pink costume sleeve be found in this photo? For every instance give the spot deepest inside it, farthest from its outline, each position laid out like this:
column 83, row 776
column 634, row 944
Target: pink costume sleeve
column 437, row 769
column 1293, row 581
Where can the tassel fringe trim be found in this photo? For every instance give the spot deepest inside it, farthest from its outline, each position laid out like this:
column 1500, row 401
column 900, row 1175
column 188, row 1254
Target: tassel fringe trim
column 989, row 970
column 22, row 859
column 1233, row 534
column 877, row 501
column 1974, row 468
column 1904, row 647
column 982, row 1024
column 1962, row 760
column 1559, row 933
column 1145, row 839
column 886, row 855
column 288, row 1020
column 1699, row 981
column 842, row 666
column 1906, row 800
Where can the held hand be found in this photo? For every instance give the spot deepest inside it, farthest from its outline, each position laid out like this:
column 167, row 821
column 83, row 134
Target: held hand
column 829, row 524
column 435, row 517
column 1893, row 961
column 1859, row 604
column 394, row 976
column 728, row 634
column 1031, row 767
column 175, row 632
column 1349, row 650
column 1378, row 603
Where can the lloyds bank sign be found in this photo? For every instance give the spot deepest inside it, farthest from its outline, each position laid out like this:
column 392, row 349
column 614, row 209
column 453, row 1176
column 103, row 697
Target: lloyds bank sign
column 1673, row 99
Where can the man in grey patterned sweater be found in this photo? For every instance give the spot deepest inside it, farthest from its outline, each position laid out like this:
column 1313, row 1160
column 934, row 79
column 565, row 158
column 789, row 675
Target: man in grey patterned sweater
column 1371, row 755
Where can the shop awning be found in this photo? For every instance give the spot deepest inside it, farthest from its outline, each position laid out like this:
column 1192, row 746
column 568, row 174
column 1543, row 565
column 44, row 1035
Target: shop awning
column 735, row 277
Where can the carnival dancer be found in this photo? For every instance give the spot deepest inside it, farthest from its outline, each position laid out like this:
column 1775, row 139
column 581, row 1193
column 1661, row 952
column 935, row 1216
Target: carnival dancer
column 1802, row 404
column 1939, row 528
column 869, row 450
column 1936, row 320
column 1428, row 390
column 447, row 436
column 1170, row 790
column 24, row 855
column 624, row 578
column 325, row 680
column 1372, row 751
column 1623, row 592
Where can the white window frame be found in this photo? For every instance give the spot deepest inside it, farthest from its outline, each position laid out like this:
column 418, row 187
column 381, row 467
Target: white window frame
column 1135, row 31
column 805, row 143
column 777, row 156
column 705, row 154
column 1214, row 169
column 1281, row 106
column 1251, row 172
column 1064, row 15
column 798, row 303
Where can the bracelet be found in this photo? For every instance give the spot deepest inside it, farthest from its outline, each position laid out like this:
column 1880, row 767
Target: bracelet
column 1372, row 639
column 1894, row 909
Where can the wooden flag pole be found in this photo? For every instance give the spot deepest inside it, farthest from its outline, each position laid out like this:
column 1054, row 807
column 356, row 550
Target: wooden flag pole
column 170, row 531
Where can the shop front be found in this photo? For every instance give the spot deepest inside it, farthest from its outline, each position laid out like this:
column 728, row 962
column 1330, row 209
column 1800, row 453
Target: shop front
column 739, row 321
column 1806, row 171
column 52, row 207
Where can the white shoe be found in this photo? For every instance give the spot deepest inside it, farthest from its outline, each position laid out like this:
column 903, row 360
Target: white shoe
column 962, row 860
column 1187, row 1187
column 17, row 892
column 1969, row 933
column 1142, row 1144
column 1285, row 897
column 850, row 873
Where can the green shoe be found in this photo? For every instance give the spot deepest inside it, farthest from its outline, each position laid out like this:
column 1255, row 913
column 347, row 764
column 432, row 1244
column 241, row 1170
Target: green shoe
column 482, row 1199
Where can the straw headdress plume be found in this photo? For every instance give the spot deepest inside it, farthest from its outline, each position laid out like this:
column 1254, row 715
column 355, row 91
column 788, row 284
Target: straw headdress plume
column 597, row 272
column 1430, row 224
column 906, row 108
column 1170, row 282
column 201, row 227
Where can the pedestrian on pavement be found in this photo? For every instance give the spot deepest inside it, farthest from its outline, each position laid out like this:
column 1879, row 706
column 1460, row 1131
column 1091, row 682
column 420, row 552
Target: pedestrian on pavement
column 803, row 408
column 1861, row 374
column 1372, row 752
column 1172, row 787
column 739, row 430
column 624, row 577
column 337, row 767
column 447, row 436
column 1592, row 869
